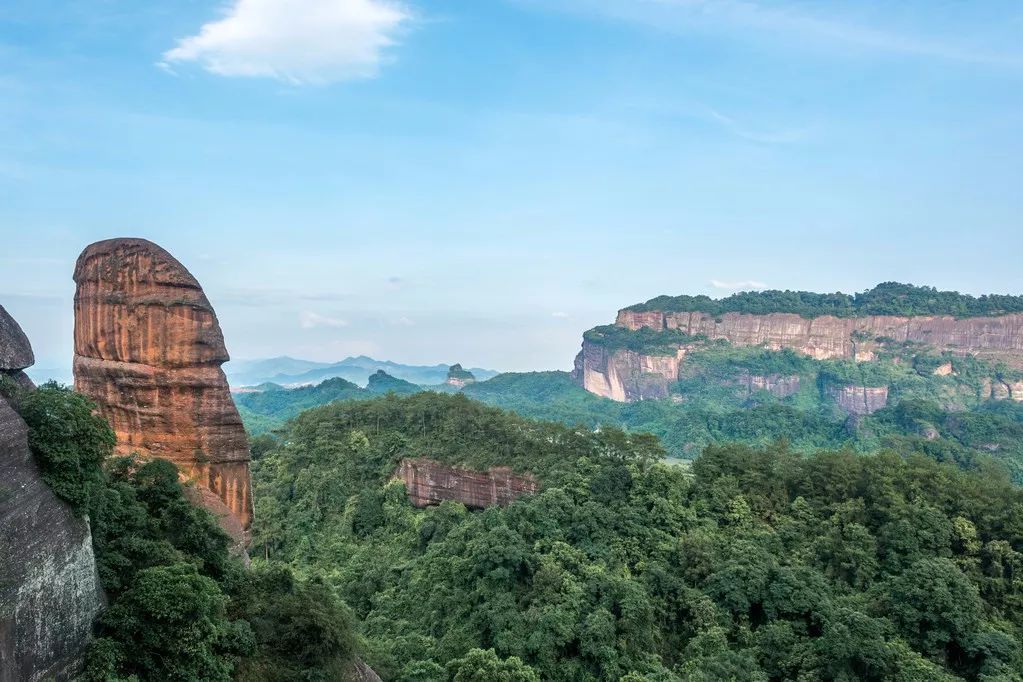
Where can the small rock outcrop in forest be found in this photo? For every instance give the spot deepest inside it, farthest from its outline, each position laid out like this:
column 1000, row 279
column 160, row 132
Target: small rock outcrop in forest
column 148, row 351
column 429, row 483
column 49, row 588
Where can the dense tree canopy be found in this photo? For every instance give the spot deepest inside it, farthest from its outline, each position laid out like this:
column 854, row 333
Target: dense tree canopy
column 756, row 563
column 887, row 298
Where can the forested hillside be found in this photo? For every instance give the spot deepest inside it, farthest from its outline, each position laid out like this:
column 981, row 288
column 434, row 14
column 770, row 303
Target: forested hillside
column 936, row 405
column 755, row 564
column 180, row 606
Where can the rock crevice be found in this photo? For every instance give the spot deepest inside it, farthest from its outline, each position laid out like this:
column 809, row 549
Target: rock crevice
column 148, row 351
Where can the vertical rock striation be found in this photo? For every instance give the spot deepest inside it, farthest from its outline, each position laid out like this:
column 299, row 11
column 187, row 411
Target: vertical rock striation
column 148, row 351
column 429, row 482
column 49, row 588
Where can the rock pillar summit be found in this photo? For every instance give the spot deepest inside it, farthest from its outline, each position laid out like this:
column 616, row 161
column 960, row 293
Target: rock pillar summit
column 148, row 351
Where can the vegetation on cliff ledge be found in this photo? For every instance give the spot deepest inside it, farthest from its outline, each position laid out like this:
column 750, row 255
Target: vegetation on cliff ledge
column 645, row 341
column 755, row 564
column 888, row 298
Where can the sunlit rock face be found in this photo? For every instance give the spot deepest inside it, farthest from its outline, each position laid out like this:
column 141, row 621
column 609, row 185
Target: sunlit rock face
column 625, row 376
column 49, row 587
column 429, row 483
column 149, row 350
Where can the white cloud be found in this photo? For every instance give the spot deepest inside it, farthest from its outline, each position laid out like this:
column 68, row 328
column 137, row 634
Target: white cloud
column 735, row 286
column 298, row 41
column 311, row 320
column 561, row 315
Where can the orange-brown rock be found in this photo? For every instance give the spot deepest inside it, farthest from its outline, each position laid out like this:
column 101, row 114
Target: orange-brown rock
column 429, row 483
column 148, row 351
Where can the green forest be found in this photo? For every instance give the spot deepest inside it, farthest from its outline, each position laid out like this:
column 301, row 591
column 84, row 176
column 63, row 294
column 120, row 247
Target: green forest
column 752, row 564
column 949, row 417
column 790, row 547
column 888, row 298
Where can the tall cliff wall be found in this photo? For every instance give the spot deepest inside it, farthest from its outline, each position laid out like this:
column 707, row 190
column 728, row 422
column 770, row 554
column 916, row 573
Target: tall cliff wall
column 148, row 351
column 998, row 338
column 625, row 375
column 430, row 483
column 49, row 587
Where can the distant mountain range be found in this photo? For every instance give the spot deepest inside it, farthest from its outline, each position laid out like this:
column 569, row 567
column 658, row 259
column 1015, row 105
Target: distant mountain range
column 288, row 371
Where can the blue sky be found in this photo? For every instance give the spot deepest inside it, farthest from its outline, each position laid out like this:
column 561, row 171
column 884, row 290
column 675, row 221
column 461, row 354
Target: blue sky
column 480, row 180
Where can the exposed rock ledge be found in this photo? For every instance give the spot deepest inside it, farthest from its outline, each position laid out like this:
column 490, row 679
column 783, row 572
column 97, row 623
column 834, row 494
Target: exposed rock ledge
column 429, row 483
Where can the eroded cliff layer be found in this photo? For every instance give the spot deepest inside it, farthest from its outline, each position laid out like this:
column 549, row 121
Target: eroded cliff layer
column 625, row 373
column 998, row 337
column 149, row 350
column 49, row 587
column 429, row 483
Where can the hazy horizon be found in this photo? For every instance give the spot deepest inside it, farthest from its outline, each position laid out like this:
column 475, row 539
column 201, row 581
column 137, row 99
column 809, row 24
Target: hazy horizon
column 481, row 182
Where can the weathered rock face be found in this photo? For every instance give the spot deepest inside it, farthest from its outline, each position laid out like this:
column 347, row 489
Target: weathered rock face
column 49, row 588
column 148, row 350
column 15, row 350
column 778, row 385
column 846, row 337
column 860, row 400
column 624, row 375
column 429, row 483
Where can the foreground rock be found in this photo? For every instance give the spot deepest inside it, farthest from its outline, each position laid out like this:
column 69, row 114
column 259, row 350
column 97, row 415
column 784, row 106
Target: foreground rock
column 429, row 483
column 148, row 351
column 49, row 587
column 15, row 350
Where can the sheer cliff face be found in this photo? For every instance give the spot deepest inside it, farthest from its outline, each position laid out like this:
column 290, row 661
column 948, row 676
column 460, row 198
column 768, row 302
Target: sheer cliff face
column 148, row 350
column 625, row 375
column 430, row 483
column 999, row 338
column 49, row 588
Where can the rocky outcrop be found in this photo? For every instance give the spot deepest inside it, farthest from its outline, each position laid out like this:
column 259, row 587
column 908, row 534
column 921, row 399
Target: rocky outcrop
column 778, row 385
column 625, row 375
column 49, row 587
column 429, row 483
column 459, row 377
column 999, row 389
column 15, row 351
column 148, row 351
column 999, row 338
column 860, row 400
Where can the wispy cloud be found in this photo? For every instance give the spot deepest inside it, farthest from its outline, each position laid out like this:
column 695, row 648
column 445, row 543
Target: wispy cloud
column 782, row 136
column 297, row 41
column 747, row 285
column 311, row 320
column 830, row 26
